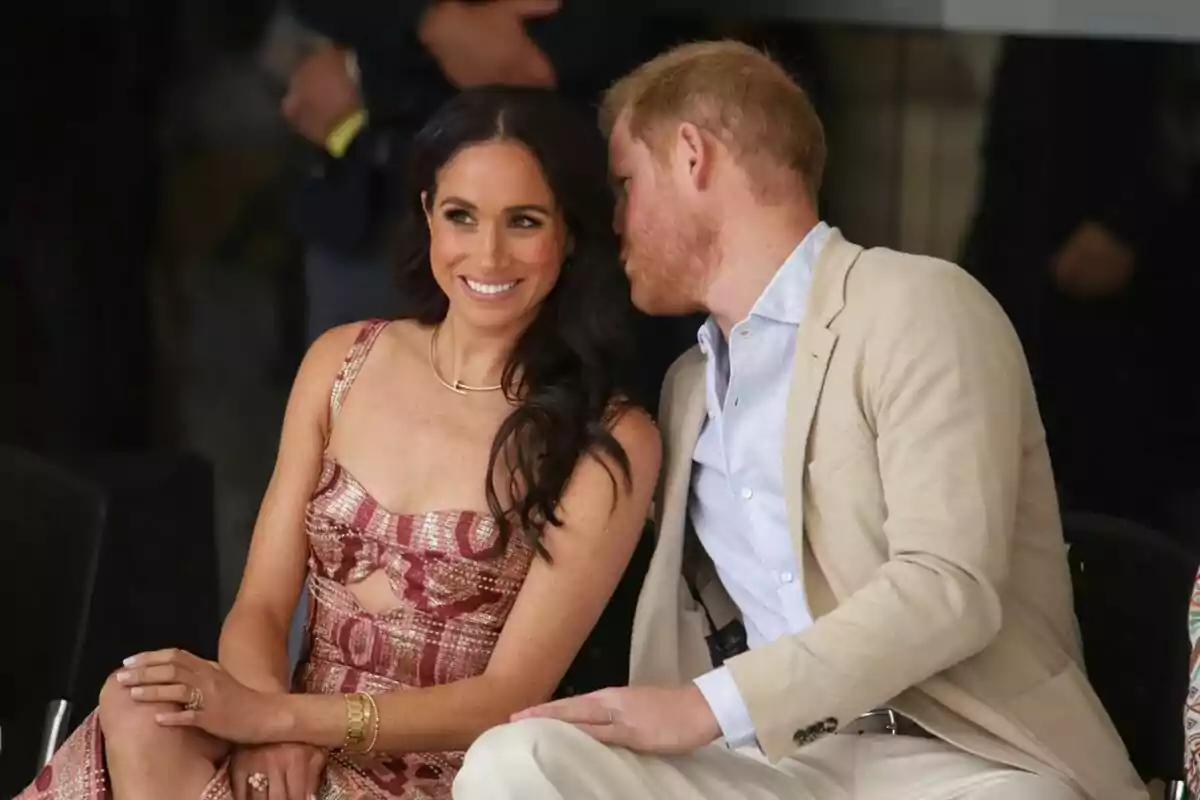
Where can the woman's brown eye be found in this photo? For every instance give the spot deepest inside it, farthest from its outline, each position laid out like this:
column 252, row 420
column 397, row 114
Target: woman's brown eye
column 523, row 221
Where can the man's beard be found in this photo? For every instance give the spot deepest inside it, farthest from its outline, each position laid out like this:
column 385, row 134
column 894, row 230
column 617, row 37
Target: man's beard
column 670, row 270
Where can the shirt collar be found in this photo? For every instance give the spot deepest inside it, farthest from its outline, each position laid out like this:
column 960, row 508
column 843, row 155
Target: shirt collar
column 786, row 296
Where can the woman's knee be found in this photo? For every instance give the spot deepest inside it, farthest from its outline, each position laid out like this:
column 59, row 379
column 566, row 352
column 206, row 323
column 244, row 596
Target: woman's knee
column 125, row 721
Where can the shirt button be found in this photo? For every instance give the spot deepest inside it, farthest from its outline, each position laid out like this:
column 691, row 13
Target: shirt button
column 747, row 493
column 786, row 577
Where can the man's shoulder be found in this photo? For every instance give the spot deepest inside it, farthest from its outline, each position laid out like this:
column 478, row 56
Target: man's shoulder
column 680, row 380
column 885, row 283
column 684, row 366
column 893, row 270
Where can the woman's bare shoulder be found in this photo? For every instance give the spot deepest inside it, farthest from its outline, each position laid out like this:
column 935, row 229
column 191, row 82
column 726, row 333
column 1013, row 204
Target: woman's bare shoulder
column 637, row 433
column 329, row 352
column 409, row 336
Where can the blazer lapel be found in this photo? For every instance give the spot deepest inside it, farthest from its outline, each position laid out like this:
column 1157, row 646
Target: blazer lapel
column 668, row 630
column 815, row 342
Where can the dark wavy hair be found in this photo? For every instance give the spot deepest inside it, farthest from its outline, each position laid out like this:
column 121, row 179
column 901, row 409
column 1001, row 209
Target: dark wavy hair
column 569, row 372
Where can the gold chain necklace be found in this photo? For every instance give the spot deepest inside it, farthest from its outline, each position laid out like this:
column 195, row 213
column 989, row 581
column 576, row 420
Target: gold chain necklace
column 458, row 386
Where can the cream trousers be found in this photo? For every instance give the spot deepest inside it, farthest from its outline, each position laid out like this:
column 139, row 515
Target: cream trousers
column 549, row 760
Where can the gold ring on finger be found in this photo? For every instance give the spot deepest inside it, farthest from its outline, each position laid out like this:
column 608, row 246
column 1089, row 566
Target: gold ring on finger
column 195, row 700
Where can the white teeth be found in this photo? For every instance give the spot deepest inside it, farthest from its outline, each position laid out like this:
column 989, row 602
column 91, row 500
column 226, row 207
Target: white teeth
column 490, row 288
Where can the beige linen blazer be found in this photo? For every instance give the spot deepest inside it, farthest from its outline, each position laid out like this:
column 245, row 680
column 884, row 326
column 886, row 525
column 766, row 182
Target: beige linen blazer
column 922, row 504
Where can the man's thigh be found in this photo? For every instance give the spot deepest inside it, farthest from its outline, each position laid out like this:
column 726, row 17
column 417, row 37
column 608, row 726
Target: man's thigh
column 912, row 768
column 550, row 760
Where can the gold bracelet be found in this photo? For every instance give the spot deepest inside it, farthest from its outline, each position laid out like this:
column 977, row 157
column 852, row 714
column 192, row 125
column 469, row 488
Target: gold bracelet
column 375, row 717
column 357, row 718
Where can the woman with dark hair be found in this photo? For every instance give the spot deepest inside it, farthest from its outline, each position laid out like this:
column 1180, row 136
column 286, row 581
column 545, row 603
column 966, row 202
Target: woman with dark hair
column 465, row 484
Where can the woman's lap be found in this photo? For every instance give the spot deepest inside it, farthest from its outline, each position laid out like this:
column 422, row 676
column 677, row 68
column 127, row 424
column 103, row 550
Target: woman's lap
column 78, row 772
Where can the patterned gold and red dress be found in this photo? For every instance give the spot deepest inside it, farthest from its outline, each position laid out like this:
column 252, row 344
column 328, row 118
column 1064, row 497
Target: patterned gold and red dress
column 454, row 585
column 1191, row 711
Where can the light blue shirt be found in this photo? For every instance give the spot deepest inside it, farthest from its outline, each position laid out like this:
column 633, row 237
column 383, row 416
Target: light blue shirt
column 737, row 505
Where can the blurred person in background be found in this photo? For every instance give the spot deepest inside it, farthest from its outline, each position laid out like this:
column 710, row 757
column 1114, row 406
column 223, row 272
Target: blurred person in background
column 1083, row 234
column 468, row 483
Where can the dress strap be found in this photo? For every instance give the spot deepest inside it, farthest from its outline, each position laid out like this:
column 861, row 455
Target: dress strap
column 354, row 361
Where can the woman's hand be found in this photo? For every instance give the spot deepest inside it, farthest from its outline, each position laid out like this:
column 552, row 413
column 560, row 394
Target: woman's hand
column 293, row 771
column 209, row 697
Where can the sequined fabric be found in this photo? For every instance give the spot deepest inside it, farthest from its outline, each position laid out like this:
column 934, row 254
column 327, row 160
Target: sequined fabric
column 454, row 585
column 1191, row 711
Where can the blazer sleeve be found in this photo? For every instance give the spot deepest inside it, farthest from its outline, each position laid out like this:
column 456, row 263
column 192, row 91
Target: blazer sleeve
column 947, row 387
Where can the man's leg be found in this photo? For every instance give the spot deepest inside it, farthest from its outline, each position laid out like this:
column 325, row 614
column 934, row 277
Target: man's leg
column 551, row 760
column 912, row 768
column 1021, row 786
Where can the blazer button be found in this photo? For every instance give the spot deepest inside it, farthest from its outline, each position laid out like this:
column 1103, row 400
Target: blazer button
column 816, row 731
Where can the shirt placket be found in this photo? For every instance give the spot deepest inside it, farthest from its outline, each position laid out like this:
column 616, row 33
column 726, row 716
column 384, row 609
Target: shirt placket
column 742, row 377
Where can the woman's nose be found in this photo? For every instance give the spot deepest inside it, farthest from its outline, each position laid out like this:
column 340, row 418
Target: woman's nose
column 491, row 246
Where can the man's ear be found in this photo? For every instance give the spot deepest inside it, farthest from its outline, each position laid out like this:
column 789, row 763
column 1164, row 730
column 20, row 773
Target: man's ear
column 693, row 151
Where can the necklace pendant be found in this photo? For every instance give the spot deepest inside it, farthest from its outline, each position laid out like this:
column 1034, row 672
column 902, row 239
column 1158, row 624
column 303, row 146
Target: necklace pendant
column 458, row 387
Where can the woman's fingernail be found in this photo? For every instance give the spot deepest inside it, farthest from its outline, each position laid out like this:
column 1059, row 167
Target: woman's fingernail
column 129, row 662
column 137, row 691
column 124, row 677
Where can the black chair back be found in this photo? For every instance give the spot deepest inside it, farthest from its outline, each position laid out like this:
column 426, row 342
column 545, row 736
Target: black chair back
column 51, row 524
column 1132, row 586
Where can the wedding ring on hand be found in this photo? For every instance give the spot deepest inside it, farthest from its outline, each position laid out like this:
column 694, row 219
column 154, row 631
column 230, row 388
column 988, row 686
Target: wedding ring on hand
column 258, row 782
column 196, row 702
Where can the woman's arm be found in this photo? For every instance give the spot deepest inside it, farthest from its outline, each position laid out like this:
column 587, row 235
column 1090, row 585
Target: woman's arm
column 254, row 637
column 555, row 611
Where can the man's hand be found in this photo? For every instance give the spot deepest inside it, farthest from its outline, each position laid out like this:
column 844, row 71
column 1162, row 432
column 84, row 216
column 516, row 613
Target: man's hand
column 293, row 770
column 477, row 44
column 321, row 94
column 642, row 719
column 1093, row 262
